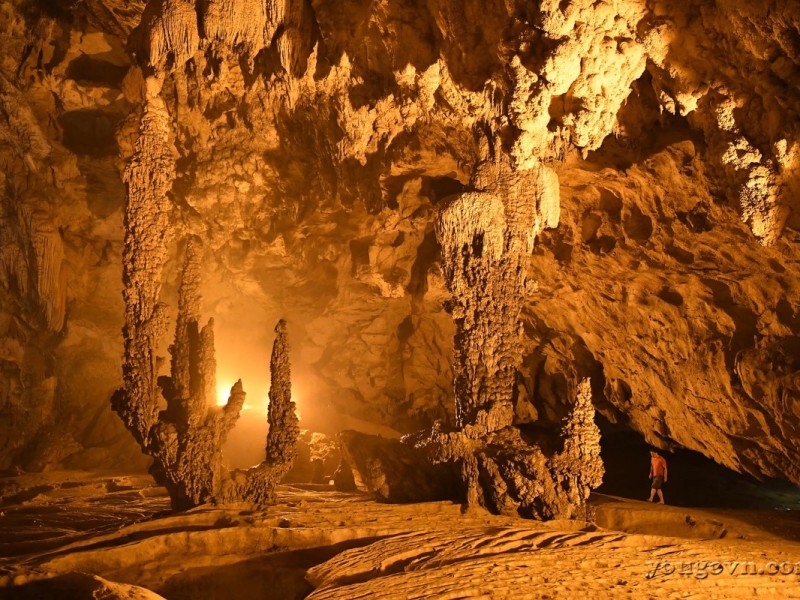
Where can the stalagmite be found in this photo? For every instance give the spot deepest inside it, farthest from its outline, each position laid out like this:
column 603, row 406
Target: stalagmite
column 486, row 237
column 283, row 422
column 331, row 146
column 186, row 439
column 258, row 483
column 148, row 177
column 490, row 230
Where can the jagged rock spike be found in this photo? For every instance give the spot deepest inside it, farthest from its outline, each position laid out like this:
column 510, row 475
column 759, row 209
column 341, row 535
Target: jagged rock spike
column 283, row 423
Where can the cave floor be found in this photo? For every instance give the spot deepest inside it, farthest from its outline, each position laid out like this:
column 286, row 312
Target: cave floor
column 77, row 535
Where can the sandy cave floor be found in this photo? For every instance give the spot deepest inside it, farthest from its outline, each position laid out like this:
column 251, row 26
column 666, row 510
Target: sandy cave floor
column 77, row 535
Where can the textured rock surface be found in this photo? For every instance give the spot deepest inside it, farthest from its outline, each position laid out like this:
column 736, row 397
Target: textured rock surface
column 323, row 544
column 486, row 238
column 395, row 472
column 187, row 438
column 314, row 144
column 508, row 472
column 257, row 484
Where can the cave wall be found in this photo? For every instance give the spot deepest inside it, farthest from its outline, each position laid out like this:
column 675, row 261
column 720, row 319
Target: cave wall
column 314, row 143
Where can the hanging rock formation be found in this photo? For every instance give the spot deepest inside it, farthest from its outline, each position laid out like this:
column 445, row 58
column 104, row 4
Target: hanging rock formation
column 320, row 143
column 487, row 236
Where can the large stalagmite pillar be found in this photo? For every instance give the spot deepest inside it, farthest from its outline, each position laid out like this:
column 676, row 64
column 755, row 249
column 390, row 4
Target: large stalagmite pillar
column 258, row 483
column 282, row 416
column 148, row 178
column 186, row 439
column 487, row 235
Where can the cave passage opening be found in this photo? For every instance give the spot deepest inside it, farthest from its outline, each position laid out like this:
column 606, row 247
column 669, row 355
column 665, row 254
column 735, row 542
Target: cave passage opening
column 693, row 479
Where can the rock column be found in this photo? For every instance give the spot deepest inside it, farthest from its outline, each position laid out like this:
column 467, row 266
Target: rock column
column 486, row 236
column 148, row 178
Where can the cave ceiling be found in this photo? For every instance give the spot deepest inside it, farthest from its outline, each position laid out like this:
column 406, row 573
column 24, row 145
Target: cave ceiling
column 313, row 142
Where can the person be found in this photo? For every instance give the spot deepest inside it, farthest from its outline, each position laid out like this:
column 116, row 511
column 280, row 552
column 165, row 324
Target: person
column 658, row 475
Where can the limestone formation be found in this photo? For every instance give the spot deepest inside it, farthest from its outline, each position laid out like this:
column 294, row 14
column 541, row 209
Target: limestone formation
column 257, row 484
column 347, row 150
column 393, row 471
column 33, row 296
column 148, row 177
column 486, row 236
column 506, row 471
column 283, row 422
column 186, row 439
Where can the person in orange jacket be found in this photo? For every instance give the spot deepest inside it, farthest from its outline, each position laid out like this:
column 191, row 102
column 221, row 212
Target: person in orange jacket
column 658, row 475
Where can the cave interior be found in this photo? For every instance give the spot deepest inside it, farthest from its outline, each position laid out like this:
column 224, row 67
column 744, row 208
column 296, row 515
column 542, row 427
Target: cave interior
column 475, row 259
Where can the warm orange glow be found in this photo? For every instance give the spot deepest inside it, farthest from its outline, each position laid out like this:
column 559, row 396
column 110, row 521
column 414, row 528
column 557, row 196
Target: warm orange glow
column 253, row 403
column 223, row 391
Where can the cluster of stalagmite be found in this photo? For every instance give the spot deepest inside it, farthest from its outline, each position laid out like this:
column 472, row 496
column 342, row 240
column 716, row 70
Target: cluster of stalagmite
column 506, row 472
column 186, row 439
column 318, row 144
column 257, row 484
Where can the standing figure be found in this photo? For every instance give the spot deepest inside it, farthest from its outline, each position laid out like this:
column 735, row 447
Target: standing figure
column 658, row 475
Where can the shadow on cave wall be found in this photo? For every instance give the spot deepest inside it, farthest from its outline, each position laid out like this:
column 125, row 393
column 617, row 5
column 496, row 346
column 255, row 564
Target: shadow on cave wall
column 693, row 479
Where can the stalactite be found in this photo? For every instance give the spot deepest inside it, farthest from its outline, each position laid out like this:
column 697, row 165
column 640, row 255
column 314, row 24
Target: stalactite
column 486, row 236
column 171, row 31
column 168, row 34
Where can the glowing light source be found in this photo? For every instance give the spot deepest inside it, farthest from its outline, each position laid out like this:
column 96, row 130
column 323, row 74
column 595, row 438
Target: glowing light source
column 255, row 403
column 223, row 392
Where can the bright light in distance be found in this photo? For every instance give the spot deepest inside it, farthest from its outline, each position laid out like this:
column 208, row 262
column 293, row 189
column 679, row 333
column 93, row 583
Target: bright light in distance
column 224, row 392
column 251, row 404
